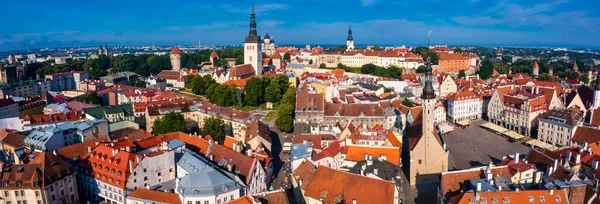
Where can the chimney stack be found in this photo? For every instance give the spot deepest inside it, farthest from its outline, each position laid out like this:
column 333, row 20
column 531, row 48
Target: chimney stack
column 594, row 164
column 577, row 158
column 477, row 191
column 568, row 156
column 516, row 157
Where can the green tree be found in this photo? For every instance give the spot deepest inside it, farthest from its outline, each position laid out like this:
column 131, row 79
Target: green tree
column 572, row 75
column 487, row 68
column 458, row 50
column 91, row 98
column 272, row 92
column 435, row 58
column 285, row 117
column 421, row 69
column 376, row 47
column 188, row 82
column 341, row 66
column 407, row 103
column 388, row 89
column 287, row 57
column 289, row 97
column 322, row 66
column 545, row 77
column 584, row 78
column 462, row 74
column 368, row 68
column 215, row 127
column 171, row 122
column 254, row 92
column 310, row 61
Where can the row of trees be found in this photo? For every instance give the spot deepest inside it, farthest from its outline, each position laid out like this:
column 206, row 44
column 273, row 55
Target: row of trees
column 144, row 65
column 175, row 122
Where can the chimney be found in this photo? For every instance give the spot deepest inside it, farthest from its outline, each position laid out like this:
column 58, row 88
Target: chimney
column 375, row 171
column 577, row 158
column 114, row 152
column 594, row 164
column 551, row 191
column 555, row 167
column 568, row 156
column 477, row 191
column 235, row 146
column 16, row 158
column 549, row 170
column 128, row 149
column 516, row 157
column 55, row 152
column 130, row 165
column 249, row 152
column 300, row 182
column 488, row 174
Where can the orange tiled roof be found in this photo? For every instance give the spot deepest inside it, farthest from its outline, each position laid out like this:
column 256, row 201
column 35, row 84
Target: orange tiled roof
column 329, row 183
column 523, row 196
column 156, row 196
column 357, row 153
column 176, row 50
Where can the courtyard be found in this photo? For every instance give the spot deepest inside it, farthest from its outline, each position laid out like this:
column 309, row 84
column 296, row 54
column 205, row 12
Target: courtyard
column 475, row 146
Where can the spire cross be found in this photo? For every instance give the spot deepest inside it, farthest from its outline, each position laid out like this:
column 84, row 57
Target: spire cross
column 252, row 6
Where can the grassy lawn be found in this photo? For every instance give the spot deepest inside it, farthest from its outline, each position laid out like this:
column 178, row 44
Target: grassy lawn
column 270, row 116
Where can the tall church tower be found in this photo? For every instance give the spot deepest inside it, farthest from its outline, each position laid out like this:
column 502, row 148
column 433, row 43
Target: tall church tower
column 428, row 97
column 429, row 157
column 536, row 69
column 105, row 49
column 253, row 46
column 100, row 49
column 350, row 40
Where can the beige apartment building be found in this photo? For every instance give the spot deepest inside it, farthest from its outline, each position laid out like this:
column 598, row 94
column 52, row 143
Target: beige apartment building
column 517, row 108
column 557, row 127
column 38, row 182
column 448, row 86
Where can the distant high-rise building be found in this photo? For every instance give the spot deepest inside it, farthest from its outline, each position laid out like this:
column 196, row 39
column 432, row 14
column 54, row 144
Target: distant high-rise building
column 350, row 39
column 253, row 46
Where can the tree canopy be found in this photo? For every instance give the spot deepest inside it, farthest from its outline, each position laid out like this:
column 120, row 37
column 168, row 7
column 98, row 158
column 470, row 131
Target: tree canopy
column 215, row 127
column 91, row 98
column 171, row 122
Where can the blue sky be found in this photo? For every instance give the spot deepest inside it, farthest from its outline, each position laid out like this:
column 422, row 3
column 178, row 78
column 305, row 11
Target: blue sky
column 53, row 23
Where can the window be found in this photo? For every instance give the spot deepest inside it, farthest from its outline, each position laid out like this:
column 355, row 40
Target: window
column 145, row 178
column 51, row 188
column 189, row 202
column 144, row 170
column 53, row 198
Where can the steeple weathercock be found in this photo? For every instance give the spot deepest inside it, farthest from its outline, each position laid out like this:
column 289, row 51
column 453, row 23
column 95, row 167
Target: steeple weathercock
column 428, row 91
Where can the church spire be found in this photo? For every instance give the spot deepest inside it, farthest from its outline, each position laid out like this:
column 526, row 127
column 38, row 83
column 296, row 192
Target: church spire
column 428, row 92
column 252, row 34
column 350, row 33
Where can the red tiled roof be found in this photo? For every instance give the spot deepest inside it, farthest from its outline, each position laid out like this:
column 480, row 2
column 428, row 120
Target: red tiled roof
column 452, row 182
column 517, row 196
column 329, row 184
column 245, row 70
column 214, row 54
column 176, row 50
column 357, row 153
column 156, row 196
